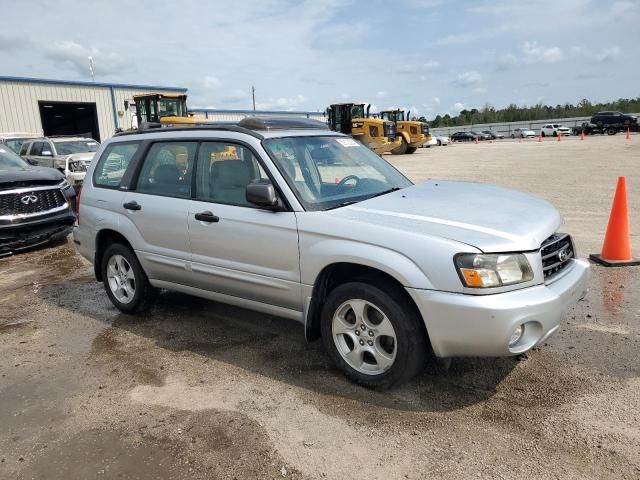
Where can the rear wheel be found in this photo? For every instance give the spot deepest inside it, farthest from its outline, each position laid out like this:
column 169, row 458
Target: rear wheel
column 555, row 134
column 124, row 280
column 543, row 134
column 411, row 149
column 439, row 143
column 611, row 131
column 373, row 336
column 402, row 148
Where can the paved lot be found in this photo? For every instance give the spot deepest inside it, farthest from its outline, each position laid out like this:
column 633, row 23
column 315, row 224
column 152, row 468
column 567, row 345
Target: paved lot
column 201, row 390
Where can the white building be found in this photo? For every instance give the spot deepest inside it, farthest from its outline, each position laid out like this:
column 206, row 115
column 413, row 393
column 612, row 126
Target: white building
column 59, row 107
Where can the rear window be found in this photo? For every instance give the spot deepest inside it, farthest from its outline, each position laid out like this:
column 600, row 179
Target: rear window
column 113, row 163
column 76, row 146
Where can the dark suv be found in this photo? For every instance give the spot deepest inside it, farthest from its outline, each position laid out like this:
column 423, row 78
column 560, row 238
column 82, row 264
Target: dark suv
column 612, row 122
column 36, row 204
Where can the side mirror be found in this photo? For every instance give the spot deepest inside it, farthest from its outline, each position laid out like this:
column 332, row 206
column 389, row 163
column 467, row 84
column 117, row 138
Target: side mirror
column 46, row 153
column 262, row 195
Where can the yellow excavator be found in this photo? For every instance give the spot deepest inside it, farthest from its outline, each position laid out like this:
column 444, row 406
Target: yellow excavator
column 353, row 119
column 410, row 135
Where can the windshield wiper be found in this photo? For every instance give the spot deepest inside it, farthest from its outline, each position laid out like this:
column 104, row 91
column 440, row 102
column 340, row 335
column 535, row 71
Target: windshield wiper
column 384, row 192
column 343, row 204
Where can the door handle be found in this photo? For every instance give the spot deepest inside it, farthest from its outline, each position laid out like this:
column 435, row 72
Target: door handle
column 207, row 217
column 132, row 206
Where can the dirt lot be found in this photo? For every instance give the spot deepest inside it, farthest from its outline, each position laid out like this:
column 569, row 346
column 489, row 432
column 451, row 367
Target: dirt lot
column 202, row 390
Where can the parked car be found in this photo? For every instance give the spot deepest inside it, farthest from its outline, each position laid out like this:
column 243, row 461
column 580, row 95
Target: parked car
column 15, row 140
column 493, row 135
column 269, row 229
column 522, row 133
column 480, row 136
column 437, row 140
column 36, row 204
column 70, row 155
column 554, row 129
column 613, row 122
column 586, row 127
column 462, row 137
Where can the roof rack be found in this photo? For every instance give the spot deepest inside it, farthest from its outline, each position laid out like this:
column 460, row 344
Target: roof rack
column 282, row 123
column 250, row 126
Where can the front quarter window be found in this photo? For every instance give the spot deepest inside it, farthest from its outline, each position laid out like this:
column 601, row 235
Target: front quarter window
column 328, row 171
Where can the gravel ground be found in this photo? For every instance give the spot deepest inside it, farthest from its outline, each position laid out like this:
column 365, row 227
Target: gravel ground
column 197, row 389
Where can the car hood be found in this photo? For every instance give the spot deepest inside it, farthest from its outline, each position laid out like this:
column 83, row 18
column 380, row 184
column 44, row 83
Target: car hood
column 23, row 176
column 82, row 156
column 488, row 217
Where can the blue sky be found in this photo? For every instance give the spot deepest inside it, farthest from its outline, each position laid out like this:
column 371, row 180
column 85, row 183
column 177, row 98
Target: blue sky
column 432, row 56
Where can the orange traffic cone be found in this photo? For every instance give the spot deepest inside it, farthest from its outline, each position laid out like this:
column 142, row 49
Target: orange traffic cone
column 540, row 137
column 582, row 134
column 476, row 141
column 628, row 134
column 616, row 250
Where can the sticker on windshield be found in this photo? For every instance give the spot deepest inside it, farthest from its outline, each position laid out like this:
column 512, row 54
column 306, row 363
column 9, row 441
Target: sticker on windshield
column 91, row 143
column 347, row 142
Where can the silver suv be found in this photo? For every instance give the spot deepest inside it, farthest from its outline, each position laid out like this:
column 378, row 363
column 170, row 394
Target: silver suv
column 70, row 155
column 290, row 219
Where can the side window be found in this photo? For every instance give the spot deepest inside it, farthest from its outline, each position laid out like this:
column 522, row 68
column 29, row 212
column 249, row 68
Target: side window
column 113, row 163
column 167, row 169
column 224, row 171
column 37, row 148
column 25, row 148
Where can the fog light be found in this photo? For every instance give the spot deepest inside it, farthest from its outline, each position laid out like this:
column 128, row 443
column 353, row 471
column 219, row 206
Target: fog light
column 516, row 335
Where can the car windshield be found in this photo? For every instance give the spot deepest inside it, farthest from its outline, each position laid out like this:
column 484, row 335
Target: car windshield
column 76, row 146
column 328, row 172
column 10, row 161
column 15, row 144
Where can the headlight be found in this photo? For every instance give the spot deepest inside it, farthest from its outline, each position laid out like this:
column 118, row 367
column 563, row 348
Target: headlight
column 493, row 270
column 357, row 125
column 64, row 185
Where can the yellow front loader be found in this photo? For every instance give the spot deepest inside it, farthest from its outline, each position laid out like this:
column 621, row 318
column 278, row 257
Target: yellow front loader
column 410, row 135
column 353, row 119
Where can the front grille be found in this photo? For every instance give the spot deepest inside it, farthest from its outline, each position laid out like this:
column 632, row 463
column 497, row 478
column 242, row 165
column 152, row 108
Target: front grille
column 556, row 252
column 24, row 204
column 390, row 131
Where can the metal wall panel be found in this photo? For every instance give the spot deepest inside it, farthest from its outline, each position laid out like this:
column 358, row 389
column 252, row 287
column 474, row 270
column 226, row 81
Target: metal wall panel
column 237, row 115
column 20, row 112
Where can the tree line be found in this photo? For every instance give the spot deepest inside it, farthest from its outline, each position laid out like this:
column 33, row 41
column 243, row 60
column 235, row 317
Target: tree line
column 515, row 113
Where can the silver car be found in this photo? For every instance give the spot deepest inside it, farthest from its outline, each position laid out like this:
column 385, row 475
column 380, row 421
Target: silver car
column 290, row 219
column 70, row 155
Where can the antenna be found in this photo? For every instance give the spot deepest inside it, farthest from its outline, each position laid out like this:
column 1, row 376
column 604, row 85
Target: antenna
column 93, row 78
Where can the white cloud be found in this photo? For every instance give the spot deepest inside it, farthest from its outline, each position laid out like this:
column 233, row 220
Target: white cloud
column 480, row 90
column 506, row 62
column 625, row 7
column 236, row 95
column 381, row 94
column 457, row 107
column 436, row 100
column 282, row 103
column 345, row 96
column 534, row 53
column 77, row 56
column 467, row 78
column 211, row 82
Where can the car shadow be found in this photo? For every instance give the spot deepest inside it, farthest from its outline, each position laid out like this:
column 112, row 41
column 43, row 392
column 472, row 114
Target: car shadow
column 276, row 348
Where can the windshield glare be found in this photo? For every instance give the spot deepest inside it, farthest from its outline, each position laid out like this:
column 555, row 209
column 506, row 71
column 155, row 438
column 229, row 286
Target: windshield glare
column 9, row 160
column 76, row 146
column 327, row 172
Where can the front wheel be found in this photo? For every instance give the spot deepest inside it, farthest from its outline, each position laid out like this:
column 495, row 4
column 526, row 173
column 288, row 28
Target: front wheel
column 612, row 131
column 373, row 336
column 124, row 280
column 411, row 149
column 543, row 134
column 402, row 148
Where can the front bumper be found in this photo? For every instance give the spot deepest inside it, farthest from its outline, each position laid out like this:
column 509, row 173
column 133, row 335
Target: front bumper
column 481, row 325
column 75, row 178
column 37, row 231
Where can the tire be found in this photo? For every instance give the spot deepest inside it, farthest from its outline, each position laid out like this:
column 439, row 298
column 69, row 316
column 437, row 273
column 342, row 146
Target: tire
column 402, row 149
column 411, row 149
column 439, row 143
column 513, row 136
column 543, row 134
column 611, row 131
column 555, row 134
column 139, row 296
column 384, row 360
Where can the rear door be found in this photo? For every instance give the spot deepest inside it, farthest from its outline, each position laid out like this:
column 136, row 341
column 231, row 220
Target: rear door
column 238, row 249
column 156, row 211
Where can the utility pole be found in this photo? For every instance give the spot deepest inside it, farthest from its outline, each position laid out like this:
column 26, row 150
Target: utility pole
column 253, row 96
column 93, row 78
